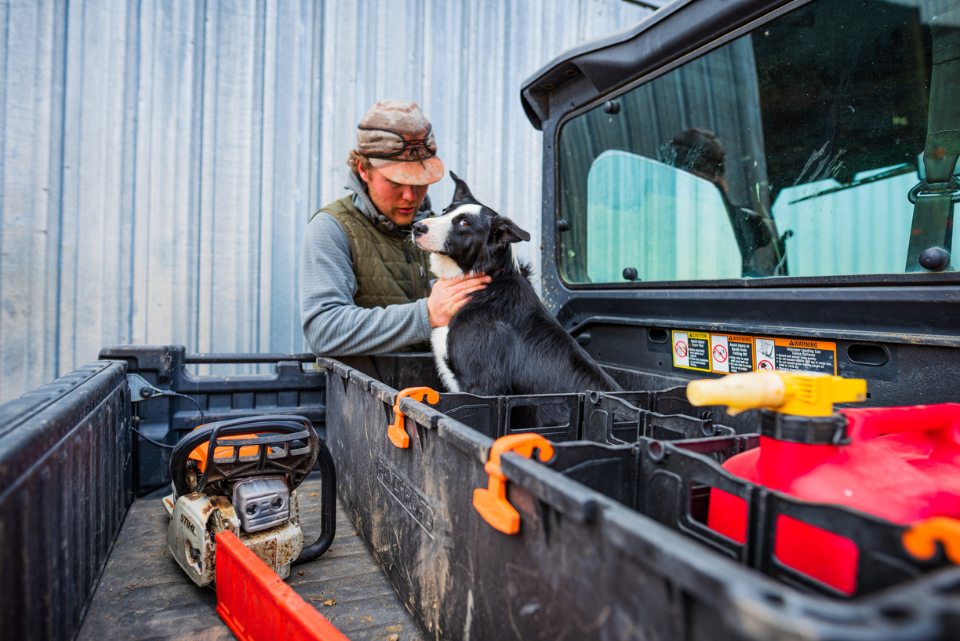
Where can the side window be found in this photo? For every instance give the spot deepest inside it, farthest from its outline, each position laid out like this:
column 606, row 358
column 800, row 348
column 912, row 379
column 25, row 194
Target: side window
column 659, row 221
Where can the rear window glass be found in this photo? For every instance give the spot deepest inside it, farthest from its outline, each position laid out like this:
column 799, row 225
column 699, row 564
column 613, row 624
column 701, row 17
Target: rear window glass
column 795, row 150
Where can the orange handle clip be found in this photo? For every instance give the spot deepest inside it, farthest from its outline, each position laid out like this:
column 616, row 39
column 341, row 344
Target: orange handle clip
column 920, row 540
column 492, row 502
column 398, row 435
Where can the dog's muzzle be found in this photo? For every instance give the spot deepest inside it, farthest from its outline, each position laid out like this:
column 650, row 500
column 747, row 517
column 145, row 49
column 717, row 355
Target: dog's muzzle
column 419, row 229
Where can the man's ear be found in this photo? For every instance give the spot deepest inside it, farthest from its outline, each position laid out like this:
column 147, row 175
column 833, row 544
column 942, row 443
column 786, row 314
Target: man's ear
column 463, row 192
column 506, row 231
column 364, row 174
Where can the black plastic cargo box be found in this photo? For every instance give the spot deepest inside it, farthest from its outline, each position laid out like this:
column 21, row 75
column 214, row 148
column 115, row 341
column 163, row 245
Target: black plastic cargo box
column 498, row 416
column 188, row 400
column 613, row 542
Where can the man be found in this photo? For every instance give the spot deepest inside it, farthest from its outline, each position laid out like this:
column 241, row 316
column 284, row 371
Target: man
column 364, row 289
column 701, row 153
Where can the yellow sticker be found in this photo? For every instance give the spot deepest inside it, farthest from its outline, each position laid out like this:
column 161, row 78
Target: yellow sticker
column 691, row 350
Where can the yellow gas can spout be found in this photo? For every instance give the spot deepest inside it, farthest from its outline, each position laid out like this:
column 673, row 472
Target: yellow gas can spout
column 796, row 393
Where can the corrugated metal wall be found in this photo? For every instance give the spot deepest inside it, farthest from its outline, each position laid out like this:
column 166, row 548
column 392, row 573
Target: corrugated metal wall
column 159, row 159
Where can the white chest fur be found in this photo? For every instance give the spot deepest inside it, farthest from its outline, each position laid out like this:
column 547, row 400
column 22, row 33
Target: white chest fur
column 438, row 339
column 444, row 267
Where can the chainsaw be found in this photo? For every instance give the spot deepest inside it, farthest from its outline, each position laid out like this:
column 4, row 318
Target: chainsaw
column 242, row 475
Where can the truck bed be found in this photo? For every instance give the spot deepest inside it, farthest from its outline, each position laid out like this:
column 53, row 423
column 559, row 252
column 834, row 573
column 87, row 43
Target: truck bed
column 143, row 593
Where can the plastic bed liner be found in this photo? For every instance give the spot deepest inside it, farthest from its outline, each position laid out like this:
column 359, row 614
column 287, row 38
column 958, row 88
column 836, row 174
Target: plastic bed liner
column 611, row 543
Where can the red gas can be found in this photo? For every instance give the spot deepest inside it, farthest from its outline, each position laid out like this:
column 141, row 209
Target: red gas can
column 901, row 464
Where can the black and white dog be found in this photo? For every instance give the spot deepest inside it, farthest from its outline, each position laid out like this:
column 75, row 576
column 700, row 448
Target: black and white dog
column 503, row 341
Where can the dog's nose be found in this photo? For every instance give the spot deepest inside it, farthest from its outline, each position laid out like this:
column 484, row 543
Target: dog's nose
column 419, row 229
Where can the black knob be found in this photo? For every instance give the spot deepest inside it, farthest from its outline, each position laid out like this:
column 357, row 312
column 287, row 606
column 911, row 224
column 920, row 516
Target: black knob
column 934, row 258
column 630, row 273
column 563, row 225
column 611, row 107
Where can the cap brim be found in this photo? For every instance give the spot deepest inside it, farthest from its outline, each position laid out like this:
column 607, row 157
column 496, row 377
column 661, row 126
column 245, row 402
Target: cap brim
column 417, row 172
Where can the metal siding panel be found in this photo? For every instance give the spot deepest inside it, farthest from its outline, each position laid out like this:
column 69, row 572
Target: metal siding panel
column 318, row 55
column 171, row 152
column 142, row 162
column 274, row 94
column 229, row 209
column 66, row 304
column 88, row 207
column 15, row 193
column 92, row 164
column 45, row 365
column 293, row 63
column 47, row 105
column 27, row 48
column 6, row 367
column 205, row 168
column 338, row 113
column 166, row 178
column 522, row 159
column 104, row 241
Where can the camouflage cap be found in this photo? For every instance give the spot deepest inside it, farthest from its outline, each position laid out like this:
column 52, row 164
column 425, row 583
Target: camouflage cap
column 398, row 139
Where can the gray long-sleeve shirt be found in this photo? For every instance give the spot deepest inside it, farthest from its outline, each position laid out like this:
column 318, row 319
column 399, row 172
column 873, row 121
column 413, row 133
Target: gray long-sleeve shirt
column 332, row 324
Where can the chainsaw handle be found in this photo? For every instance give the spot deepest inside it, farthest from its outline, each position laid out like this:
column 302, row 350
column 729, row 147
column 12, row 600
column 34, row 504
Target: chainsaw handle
column 273, row 430
column 328, row 507
column 285, row 426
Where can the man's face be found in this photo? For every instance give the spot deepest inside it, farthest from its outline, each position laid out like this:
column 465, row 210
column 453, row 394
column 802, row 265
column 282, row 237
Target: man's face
column 397, row 202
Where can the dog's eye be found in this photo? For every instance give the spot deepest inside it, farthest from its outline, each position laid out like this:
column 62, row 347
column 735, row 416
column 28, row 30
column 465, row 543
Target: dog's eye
column 463, row 223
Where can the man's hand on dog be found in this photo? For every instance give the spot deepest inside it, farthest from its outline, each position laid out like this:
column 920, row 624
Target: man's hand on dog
column 449, row 295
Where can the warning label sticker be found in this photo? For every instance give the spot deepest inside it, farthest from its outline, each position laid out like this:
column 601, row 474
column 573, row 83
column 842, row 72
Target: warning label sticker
column 735, row 354
column 731, row 354
column 691, row 350
column 797, row 355
column 766, row 355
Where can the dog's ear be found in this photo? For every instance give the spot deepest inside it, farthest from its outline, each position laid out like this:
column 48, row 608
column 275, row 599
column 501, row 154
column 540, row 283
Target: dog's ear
column 506, row 231
column 463, row 192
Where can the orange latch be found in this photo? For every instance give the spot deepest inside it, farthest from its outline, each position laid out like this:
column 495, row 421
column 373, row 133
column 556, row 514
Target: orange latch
column 398, row 435
column 920, row 540
column 492, row 502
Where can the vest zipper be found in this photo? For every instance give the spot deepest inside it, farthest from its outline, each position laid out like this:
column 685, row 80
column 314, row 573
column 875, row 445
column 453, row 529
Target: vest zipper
column 426, row 283
column 413, row 274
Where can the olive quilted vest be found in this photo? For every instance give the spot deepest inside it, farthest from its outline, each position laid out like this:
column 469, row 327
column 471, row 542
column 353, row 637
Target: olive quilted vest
column 389, row 271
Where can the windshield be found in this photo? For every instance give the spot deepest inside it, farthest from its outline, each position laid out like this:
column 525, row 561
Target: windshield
column 822, row 144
